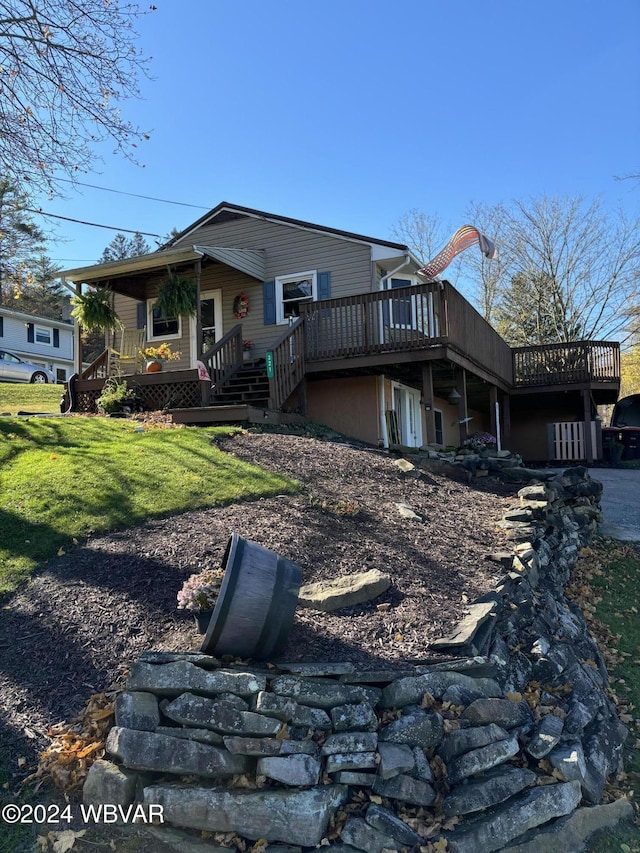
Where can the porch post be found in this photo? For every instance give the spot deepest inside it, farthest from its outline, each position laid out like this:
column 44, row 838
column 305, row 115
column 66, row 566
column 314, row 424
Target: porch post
column 427, row 402
column 493, row 399
column 77, row 340
column 588, row 444
column 461, row 382
column 198, row 270
column 506, row 421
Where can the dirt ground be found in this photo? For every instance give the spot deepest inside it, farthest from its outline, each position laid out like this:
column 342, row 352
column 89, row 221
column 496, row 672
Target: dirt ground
column 85, row 616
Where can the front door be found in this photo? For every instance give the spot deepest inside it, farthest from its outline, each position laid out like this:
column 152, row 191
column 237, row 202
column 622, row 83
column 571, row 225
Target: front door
column 406, row 405
column 211, row 322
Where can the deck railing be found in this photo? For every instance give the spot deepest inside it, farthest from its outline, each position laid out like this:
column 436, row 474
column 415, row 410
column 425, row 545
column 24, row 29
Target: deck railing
column 566, row 364
column 224, row 358
column 366, row 323
column 471, row 335
column 286, row 364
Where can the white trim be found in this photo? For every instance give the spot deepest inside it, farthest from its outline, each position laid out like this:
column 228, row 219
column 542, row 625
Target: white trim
column 435, row 428
column 412, row 411
column 48, row 331
column 150, row 335
column 216, row 295
column 281, row 320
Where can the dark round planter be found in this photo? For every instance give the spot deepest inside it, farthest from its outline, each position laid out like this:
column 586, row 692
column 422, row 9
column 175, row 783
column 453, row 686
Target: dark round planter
column 256, row 604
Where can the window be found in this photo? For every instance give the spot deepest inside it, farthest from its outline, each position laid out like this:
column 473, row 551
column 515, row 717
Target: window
column 42, row 335
column 158, row 327
column 291, row 291
column 437, row 419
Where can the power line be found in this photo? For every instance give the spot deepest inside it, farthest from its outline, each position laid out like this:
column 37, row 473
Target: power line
column 134, row 195
column 94, row 224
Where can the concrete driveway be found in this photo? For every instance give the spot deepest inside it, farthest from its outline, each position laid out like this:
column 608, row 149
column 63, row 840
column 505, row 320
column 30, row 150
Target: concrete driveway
column 620, row 502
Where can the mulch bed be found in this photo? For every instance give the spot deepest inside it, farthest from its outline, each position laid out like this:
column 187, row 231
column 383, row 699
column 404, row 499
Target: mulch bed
column 86, row 615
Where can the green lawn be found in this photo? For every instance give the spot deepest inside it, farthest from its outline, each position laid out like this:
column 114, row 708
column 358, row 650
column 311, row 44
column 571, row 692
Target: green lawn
column 62, row 479
column 16, row 398
column 616, row 582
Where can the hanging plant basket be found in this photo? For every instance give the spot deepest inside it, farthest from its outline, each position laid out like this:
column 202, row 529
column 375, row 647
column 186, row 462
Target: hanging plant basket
column 241, row 306
column 94, row 310
column 176, row 296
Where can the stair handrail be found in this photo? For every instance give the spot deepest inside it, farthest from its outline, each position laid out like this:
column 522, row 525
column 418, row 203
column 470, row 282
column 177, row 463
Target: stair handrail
column 224, row 359
column 99, row 367
column 286, row 364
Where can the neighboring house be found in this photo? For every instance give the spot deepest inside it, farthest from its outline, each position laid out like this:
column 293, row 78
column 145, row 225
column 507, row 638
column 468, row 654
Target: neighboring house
column 345, row 332
column 47, row 343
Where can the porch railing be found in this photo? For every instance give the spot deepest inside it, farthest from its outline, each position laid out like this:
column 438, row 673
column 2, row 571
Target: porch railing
column 366, row 323
column 224, row 358
column 560, row 364
column 286, row 364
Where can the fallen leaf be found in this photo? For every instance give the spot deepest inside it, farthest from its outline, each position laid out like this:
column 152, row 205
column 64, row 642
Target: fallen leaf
column 63, row 841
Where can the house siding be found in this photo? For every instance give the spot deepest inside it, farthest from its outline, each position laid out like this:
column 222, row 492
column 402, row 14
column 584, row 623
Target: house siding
column 360, row 419
column 15, row 337
column 290, row 250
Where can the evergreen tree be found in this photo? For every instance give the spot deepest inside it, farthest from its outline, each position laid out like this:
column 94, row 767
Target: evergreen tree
column 122, row 247
column 20, row 240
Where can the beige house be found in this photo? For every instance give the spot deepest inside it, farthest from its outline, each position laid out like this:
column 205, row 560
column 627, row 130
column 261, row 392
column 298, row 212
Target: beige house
column 343, row 331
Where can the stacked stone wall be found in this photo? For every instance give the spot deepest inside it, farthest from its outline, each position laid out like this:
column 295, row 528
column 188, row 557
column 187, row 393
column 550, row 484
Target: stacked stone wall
column 507, row 745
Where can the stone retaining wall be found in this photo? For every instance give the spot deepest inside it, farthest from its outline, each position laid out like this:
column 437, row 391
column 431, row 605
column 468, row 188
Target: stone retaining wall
column 506, row 747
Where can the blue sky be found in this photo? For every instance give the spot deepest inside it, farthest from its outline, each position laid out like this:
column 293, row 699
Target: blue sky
column 349, row 113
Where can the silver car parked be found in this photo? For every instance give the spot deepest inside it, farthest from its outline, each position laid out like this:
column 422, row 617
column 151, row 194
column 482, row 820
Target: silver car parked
column 16, row 369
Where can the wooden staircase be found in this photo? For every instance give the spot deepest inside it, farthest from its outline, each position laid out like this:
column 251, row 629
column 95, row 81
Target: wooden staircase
column 249, row 386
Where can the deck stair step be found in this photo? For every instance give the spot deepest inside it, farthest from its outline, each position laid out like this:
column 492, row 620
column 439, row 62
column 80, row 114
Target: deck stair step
column 248, row 385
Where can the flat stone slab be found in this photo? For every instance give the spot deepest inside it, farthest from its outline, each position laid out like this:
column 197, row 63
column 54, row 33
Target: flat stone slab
column 464, row 632
column 514, row 818
column 479, row 760
column 410, row 690
column 221, row 716
column 487, row 791
column 344, row 591
column 291, row 817
column 164, row 754
column 181, row 676
column 321, row 693
column 416, row 792
column 420, row 728
column 295, row 770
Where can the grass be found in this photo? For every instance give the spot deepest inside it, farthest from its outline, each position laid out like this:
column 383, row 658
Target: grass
column 612, row 574
column 16, row 398
column 62, row 479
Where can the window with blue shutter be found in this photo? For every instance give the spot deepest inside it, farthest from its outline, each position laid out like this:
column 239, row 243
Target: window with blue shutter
column 269, row 299
column 1, row 327
column 56, row 338
column 324, row 285
column 141, row 315
column 30, row 333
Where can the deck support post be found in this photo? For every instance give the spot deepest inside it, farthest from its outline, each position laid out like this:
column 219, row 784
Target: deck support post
column 588, row 444
column 198, row 271
column 461, row 383
column 493, row 400
column 506, row 421
column 427, row 402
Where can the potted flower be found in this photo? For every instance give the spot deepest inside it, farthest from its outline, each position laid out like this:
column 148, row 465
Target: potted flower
column 199, row 594
column 155, row 357
column 480, row 442
column 247, row 346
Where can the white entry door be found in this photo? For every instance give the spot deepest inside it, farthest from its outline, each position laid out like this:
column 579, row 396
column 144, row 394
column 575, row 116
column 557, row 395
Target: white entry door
column 211, row 320
column 406, row 405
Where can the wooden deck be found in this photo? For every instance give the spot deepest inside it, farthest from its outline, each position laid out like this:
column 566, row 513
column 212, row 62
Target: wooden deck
column 402, row 329
column 210, row 415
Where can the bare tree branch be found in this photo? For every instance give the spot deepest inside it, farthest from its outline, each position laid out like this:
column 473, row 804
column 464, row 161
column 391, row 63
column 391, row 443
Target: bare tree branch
column 66, row 68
